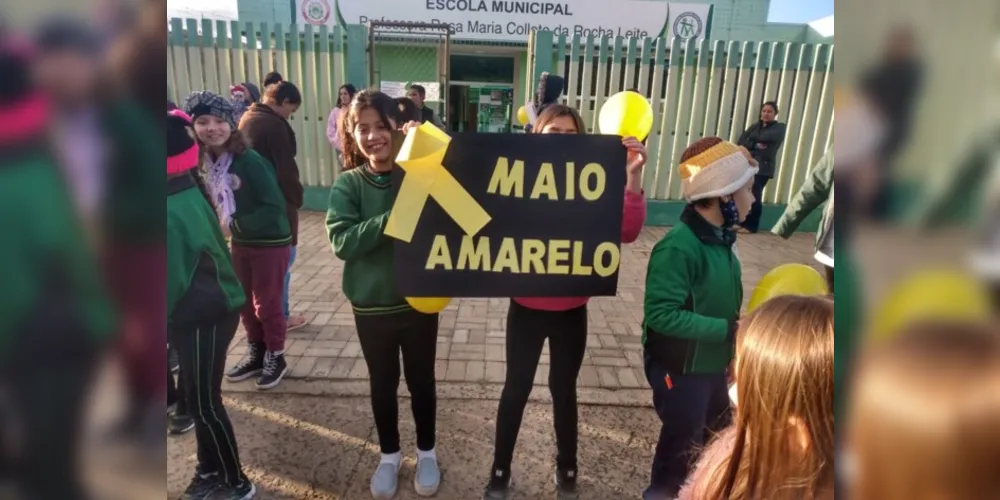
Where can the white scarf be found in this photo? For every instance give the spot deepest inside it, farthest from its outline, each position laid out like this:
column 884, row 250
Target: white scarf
column 220, row 186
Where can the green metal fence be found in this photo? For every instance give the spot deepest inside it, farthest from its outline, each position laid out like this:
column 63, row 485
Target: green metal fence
column 698, row 89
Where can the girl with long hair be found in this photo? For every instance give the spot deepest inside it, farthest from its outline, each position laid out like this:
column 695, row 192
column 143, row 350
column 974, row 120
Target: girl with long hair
column 561, row 320
column 251, row 209
column 781, row 444
column 360, row 202
column 344, row 96
column 923, row 418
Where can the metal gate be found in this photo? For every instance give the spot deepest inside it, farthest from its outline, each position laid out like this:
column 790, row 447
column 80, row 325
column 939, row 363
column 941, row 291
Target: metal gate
column 404, row 54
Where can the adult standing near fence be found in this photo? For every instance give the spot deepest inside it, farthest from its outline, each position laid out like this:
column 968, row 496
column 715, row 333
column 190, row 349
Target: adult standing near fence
column 762, row 139
column 344, row 96
column 266, row 125
column 418, row 94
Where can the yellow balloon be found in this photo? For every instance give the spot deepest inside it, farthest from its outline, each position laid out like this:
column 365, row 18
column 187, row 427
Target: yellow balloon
column 787, row 279
column 626, row 114
column 522, row 115
column 930, row 295
column 428, row 305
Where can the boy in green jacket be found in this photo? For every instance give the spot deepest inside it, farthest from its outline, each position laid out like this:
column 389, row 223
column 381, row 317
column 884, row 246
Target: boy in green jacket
column 204, row 298
column 693, row 297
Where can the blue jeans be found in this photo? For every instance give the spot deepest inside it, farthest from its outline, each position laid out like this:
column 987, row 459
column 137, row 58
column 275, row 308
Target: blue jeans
column 288, row 281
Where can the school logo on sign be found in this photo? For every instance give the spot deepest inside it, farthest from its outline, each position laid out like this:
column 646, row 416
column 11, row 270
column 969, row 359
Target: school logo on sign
column 688, row 25
column 316, row 11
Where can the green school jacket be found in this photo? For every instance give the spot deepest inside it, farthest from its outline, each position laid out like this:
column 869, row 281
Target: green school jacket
column 359, row 207
column 694, row 292
column 817, row 190
column 44, row 249
column 201, row 283
column 260, row 219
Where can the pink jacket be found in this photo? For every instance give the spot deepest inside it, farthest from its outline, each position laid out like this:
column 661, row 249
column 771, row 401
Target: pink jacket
column 331, row 130
column 633, row 218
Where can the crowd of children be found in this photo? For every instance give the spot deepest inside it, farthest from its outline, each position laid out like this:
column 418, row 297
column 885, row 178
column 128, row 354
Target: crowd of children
column 746, row 402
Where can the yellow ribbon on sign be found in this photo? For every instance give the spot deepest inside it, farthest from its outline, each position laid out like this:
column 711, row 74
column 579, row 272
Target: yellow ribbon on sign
column 421, row 158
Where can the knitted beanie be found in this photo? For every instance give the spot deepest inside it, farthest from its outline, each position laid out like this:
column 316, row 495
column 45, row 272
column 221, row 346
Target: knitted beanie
column 182, row 152
column 720, row 169
column 205, row 102
column 24, row 111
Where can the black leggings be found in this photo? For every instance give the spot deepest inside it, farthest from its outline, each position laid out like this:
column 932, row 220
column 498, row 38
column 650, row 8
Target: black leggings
column 201, row 350
column 382, row 338
column 527, row 330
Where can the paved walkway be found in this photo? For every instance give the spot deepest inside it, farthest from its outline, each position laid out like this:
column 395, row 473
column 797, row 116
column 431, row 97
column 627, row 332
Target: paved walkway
column 471, row 334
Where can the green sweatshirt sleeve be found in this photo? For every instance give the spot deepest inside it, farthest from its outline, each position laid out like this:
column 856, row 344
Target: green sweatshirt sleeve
column 351, row 236
column 270, row 204
column 669, row 279
column 813, row 193
column 180, row 267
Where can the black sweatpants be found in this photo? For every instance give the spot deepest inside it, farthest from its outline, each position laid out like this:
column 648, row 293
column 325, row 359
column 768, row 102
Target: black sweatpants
column 201, row 350
column 383, row 337
column 527, row 330
column 46, row 374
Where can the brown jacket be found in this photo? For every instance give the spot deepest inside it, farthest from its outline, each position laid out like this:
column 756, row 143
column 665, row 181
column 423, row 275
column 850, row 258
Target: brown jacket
column 273, row 138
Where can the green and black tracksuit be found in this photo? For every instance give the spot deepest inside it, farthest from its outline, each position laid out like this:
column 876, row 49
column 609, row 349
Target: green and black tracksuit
column 360, row 202
column 203, row 302
column 54, row 317
column 693, row 297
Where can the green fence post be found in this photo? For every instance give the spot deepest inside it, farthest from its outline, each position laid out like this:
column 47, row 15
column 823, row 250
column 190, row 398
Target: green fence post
column 356, row 57
column 543, row 57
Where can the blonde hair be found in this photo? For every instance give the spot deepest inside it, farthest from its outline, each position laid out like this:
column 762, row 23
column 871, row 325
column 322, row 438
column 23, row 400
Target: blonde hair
column 925, row 416
column 784, row 378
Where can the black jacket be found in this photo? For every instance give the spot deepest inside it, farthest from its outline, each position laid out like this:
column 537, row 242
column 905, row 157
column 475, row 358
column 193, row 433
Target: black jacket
column 769, row 137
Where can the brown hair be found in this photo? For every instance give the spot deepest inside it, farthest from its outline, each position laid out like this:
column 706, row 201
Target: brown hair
column 554, row 111
column 784, row 377
column 384, row 105
column 924, row 416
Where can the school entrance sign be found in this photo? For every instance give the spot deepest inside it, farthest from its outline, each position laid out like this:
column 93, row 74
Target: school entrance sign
column 513, row 20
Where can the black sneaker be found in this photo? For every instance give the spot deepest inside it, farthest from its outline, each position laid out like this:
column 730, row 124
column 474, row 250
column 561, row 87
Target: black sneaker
column 201, row 486
column 275, row 369
column 180, row 424
column 500, row 485
column 251, row 366
column 243, row 491
column 566, row 483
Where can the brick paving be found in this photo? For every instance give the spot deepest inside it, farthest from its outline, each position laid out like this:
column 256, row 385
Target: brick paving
column 471, row 334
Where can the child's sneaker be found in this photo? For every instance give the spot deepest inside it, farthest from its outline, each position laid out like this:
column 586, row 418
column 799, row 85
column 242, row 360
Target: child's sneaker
column 180, row 424
column 566, row 483
column 243, row 491
column 500, row 485
column 275, row 368
column 201, row 486
column 251, row 366
column 385, row 481
column 428, row 477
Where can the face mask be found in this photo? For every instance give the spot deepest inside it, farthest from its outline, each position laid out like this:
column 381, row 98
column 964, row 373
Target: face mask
column 730, row 214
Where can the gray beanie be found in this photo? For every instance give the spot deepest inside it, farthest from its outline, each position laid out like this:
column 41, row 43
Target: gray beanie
column 205, row 102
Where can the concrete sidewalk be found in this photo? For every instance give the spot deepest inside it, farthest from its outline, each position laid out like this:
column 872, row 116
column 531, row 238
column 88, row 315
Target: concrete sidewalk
column 472, row 331
column 298, row 447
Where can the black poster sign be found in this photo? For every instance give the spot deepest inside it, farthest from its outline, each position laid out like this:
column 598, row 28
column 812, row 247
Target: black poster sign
column 555, row 206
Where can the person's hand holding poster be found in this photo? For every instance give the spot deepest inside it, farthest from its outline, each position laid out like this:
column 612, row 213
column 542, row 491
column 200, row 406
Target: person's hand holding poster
column 554, row 218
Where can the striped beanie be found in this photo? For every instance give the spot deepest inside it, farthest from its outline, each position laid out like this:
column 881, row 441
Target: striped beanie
column 182, row 151
column 711, row 167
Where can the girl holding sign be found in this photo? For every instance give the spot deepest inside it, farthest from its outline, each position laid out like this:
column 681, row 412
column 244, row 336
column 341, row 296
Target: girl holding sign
column 693, row 297
column 360, row 201
column 563, row 320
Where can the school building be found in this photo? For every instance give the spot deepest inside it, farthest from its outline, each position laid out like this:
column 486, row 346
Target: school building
column 488, row 55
